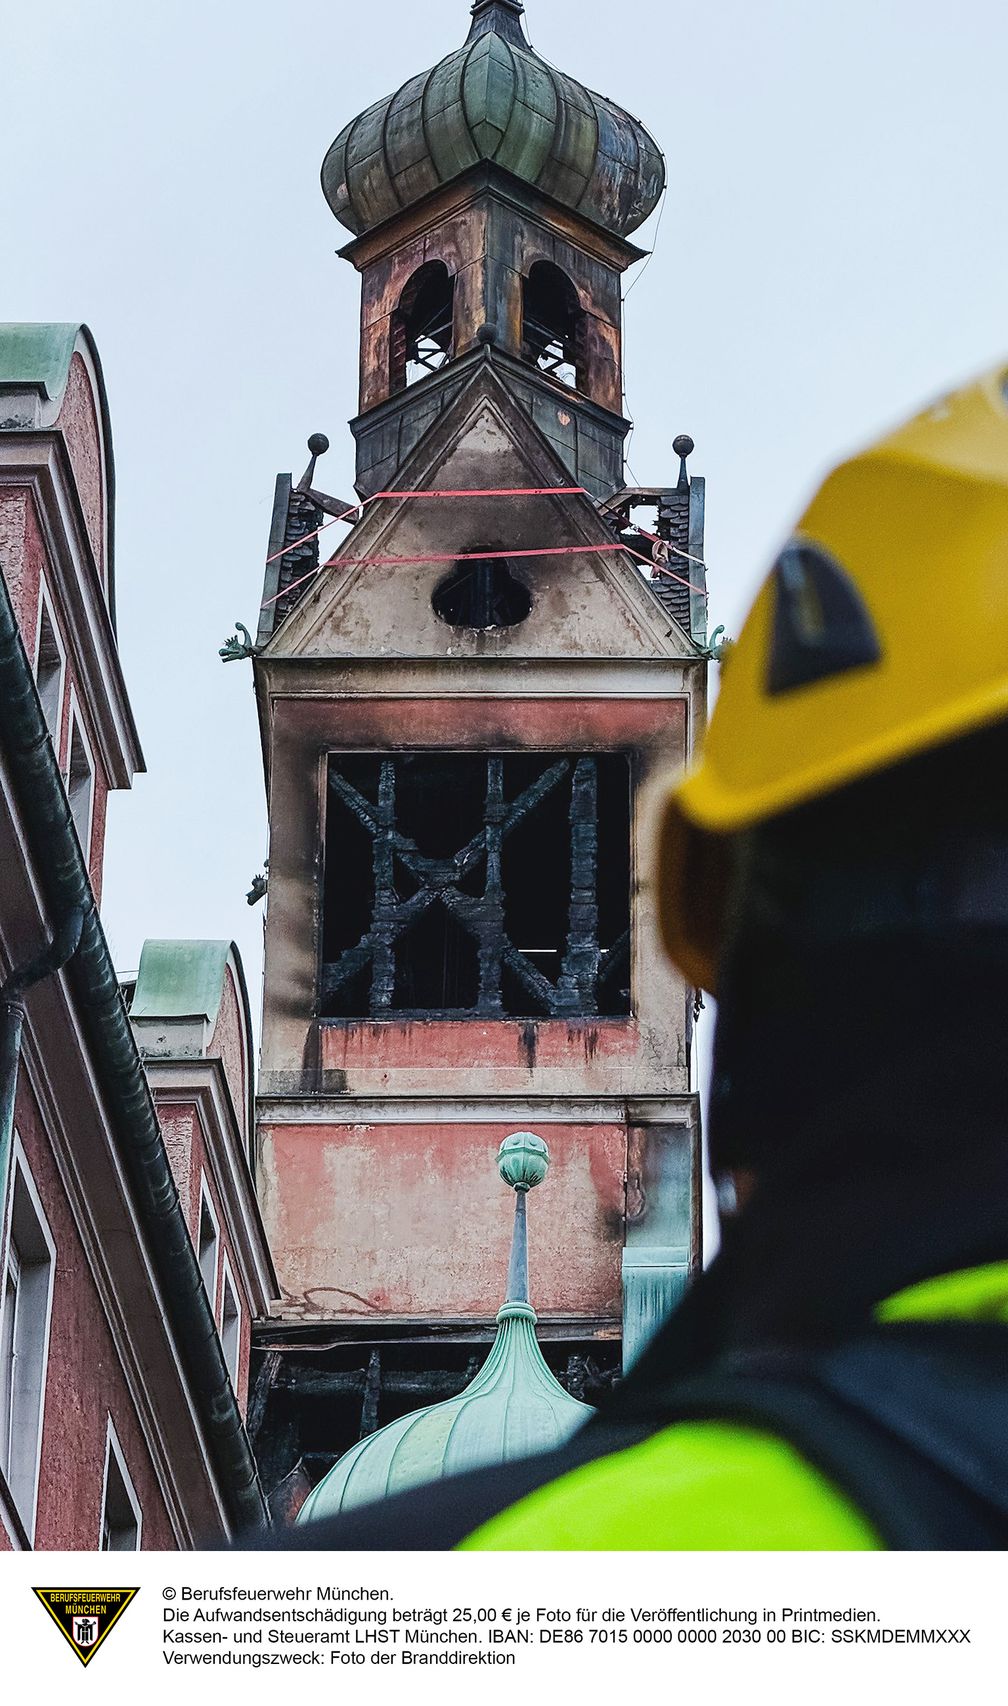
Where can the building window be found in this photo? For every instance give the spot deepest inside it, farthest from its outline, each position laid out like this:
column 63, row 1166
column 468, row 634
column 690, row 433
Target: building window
column 49, row 672
column 553, row 326
column 80, row 785
column 29, row 1266
column 122, row 1519
column 230, row 1330
column 477, row 885
column 208, row 1246
column 422, row 326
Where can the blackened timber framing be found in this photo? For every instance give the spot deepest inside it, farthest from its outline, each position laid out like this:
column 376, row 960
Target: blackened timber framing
column 314, row 1402
column 419, row 926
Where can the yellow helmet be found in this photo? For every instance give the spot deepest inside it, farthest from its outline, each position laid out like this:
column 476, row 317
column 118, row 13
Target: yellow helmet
column 881, row 630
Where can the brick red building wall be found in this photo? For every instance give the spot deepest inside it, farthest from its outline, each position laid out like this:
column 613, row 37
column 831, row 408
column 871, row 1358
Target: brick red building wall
column 25, row 565
column 182, row 1128
column 85, row 1381
column 78, row 422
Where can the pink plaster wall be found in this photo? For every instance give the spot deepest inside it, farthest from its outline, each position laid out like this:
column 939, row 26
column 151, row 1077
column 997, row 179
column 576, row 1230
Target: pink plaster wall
column 412, row 1220
column 18, row 566
column 99, row 812
column 24, row 563
column 348, row 1045
column 182, row 1130
column 581, row 725
column 84, row 1383
column 177, row 1121
column 227, row 1043
column 78, row 422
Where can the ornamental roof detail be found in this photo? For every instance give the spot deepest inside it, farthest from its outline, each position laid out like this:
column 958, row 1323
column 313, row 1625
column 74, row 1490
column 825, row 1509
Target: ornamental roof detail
column 495, row 101
column 514, row 1407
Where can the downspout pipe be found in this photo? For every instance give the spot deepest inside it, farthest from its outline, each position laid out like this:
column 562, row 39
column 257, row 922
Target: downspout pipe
column 61, row 949
column 66, row 886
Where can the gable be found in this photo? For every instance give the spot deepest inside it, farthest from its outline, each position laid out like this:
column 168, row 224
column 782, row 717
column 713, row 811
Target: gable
column 51, row 377
column 587, row 598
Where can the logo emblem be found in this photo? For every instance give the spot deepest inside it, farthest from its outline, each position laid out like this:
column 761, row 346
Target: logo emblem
column 84, row 1616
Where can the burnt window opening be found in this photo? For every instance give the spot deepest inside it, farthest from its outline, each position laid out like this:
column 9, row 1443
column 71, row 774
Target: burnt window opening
column 477, row 886
column 482, row 594
column 553, row 326
column 422, row 326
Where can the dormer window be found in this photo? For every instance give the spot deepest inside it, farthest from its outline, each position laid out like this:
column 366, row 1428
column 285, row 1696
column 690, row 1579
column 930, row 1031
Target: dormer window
column 553, row 326
column 422, row 326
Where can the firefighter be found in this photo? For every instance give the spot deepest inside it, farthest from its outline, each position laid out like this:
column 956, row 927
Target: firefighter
column 836, row 872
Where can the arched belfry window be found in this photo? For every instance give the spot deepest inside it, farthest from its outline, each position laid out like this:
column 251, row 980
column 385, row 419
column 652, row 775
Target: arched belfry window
column 422, row 325
column 553, row 325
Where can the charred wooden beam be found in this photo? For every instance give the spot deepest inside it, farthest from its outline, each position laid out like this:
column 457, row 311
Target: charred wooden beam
column 577, row 986
column 269, row 1371
column 384, row 930
column 491, row 937
column 372, row 1395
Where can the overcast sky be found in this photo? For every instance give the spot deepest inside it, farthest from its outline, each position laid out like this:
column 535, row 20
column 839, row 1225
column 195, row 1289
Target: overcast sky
column 833, row 251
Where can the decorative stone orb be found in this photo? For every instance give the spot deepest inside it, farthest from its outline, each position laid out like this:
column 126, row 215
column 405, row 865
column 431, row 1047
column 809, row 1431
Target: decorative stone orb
column 522, row 1160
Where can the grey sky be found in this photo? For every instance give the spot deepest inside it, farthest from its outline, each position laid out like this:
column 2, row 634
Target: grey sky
column 832, row 252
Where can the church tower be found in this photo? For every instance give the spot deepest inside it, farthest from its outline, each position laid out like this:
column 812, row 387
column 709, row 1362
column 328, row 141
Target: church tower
column 471, row 702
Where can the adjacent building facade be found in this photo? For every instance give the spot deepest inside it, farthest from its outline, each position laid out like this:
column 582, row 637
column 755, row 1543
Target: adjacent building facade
column 126, row 1306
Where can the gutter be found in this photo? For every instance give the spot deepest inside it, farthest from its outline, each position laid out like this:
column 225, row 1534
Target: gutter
column 12, row 1011
column 66, row 887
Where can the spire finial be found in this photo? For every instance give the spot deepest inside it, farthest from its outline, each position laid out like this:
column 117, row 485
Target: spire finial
column 522, row 1161
column 499, row 18
column 683, row 446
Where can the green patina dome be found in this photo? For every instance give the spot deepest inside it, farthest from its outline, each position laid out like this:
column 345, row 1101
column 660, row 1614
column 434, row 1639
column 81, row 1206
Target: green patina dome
column 495, row 100
column 513, row 1408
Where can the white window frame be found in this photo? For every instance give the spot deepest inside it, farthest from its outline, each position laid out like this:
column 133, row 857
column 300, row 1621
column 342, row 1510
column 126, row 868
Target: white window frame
column 114, row 1454
column 76, row 726
column 27, row 1410
column 206, row 1203
column 227, row 1331
column 46, row 614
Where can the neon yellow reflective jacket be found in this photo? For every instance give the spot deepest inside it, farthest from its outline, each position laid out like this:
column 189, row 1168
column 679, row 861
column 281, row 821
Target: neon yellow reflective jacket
column 716, row 1486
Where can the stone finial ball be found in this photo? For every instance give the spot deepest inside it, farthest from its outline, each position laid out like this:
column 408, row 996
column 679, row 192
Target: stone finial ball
column 522, row 1160
column 682, row 444
column 487, row 333
column 318, row 444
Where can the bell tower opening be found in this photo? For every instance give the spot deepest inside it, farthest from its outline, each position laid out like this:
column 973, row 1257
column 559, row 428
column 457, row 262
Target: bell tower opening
column 553, row 326
column 422, row 332
column 491, row 202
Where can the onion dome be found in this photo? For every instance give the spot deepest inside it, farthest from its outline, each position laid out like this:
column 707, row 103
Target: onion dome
column 494, row 100
column 513, row 1408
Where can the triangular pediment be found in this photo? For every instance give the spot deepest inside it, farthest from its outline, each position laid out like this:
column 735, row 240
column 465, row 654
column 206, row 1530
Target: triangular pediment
column 375, row 598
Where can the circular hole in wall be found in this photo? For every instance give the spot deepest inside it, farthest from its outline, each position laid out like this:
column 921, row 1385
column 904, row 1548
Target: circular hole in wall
column 482, row 594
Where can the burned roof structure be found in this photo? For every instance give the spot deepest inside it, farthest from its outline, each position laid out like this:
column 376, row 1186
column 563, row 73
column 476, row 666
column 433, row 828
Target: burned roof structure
column 474, row 678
